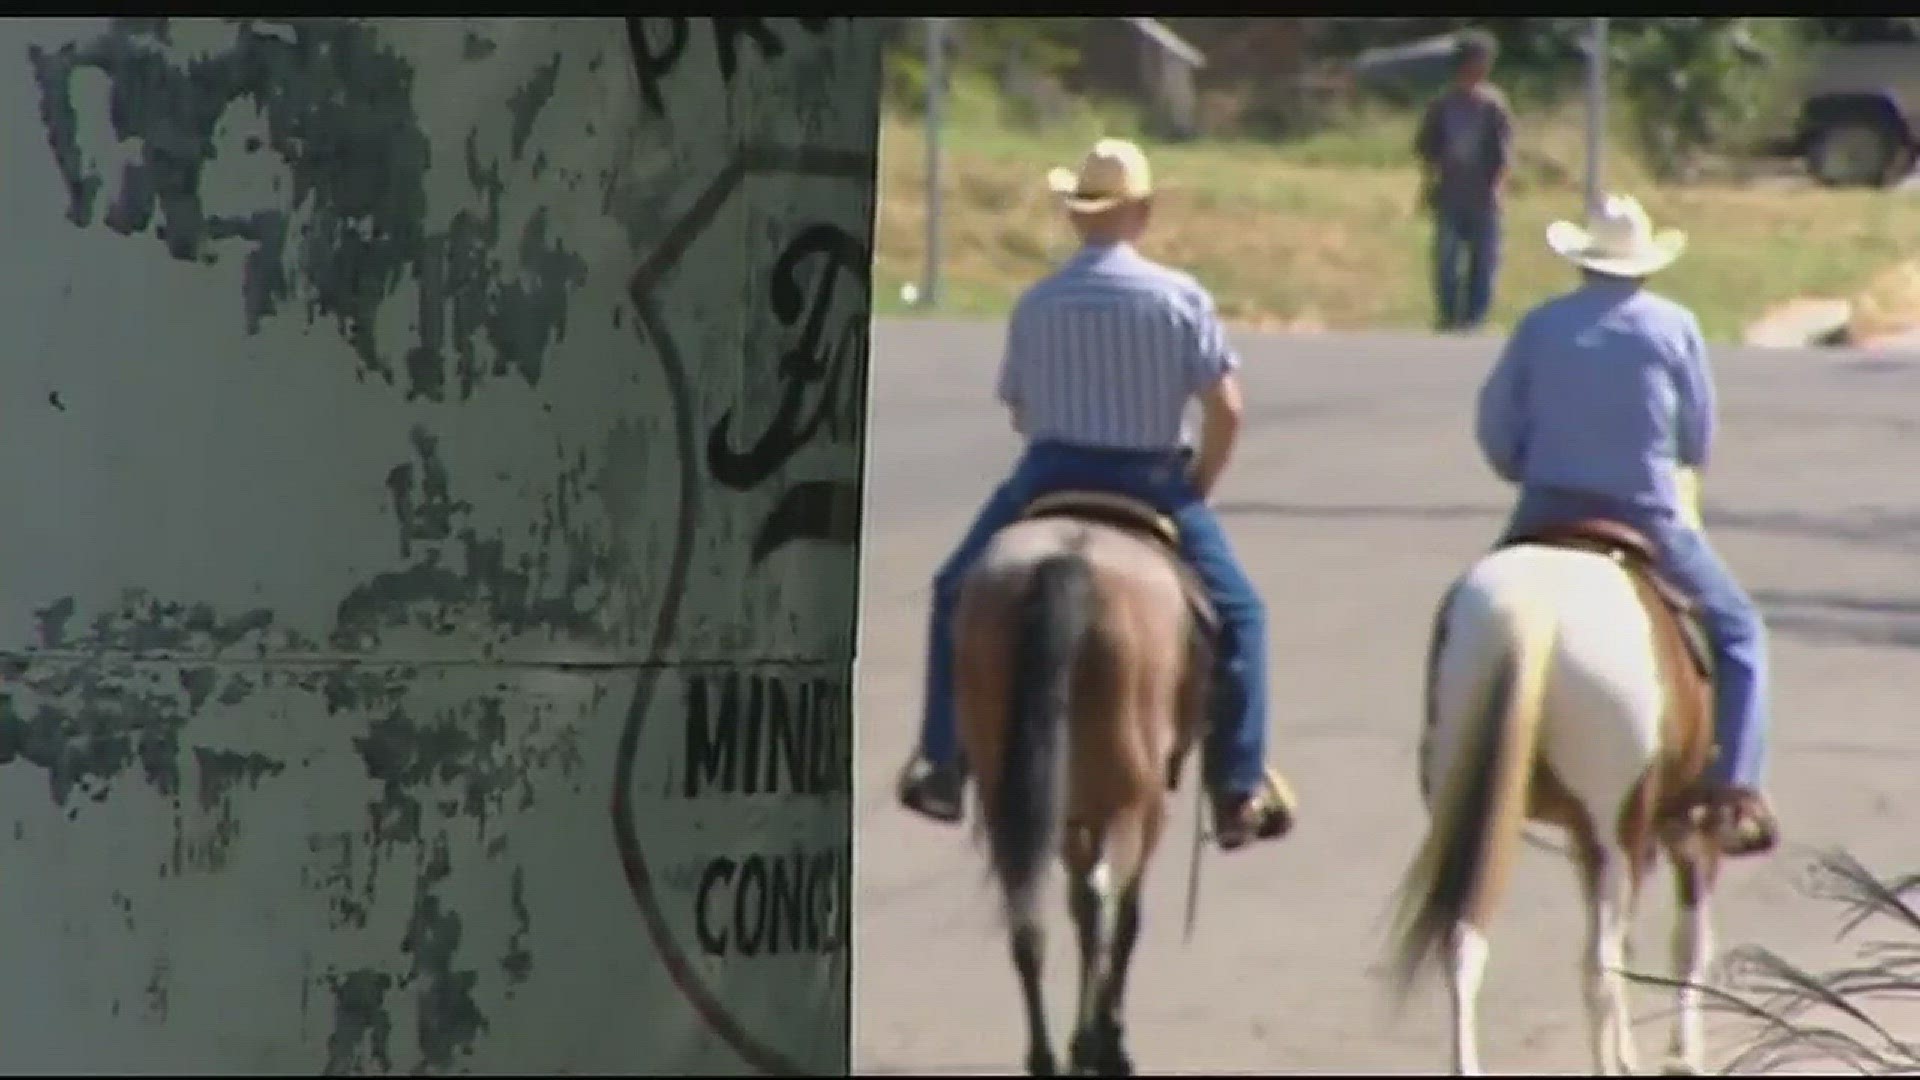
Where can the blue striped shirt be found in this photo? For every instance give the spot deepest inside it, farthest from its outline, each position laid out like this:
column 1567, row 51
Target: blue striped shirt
column 1602, row 391
column 1107, row 351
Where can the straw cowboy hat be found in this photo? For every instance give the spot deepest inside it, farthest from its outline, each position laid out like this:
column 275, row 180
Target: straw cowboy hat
column 1619, row 240
column 1113, row 172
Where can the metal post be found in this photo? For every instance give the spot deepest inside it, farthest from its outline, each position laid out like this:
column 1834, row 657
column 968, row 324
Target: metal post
column 1596, row 107
column 936, row 90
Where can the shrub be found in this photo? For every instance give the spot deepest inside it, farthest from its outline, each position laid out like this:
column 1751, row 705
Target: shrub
column 1801, row 1017
column 1696, row 86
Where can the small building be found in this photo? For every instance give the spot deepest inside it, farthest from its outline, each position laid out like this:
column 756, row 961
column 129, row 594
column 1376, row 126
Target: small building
column 1142, row 59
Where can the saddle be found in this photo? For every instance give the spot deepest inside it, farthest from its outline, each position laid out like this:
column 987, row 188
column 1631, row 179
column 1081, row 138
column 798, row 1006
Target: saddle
column 1108, row 508
column 1636, row 555
column 1135, row 516
column 1140, row 518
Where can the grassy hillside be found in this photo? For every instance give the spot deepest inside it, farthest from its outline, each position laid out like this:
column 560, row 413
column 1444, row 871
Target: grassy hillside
column 1324, row 232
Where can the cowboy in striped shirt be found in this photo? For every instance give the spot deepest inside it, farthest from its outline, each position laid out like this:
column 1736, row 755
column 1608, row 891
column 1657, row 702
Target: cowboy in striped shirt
column 1101, row 361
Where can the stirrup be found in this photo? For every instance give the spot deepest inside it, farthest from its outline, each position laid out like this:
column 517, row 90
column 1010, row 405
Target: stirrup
column 912, row 789
column 1737, row 820
column 1265, row 813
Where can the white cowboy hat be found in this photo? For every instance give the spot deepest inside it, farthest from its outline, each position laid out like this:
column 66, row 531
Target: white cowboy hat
column 1618, row 240
column 1113, row 172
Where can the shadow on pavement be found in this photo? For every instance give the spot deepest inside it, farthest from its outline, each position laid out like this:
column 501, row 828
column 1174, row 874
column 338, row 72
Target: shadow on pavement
column 1835, row 617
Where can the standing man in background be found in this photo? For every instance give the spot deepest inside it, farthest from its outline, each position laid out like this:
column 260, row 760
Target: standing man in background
column 1465, row 145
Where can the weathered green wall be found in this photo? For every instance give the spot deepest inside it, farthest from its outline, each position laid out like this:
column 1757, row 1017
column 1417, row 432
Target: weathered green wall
column 430, row 574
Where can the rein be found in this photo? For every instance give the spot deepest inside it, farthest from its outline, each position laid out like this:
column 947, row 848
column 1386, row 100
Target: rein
column 1193, row 865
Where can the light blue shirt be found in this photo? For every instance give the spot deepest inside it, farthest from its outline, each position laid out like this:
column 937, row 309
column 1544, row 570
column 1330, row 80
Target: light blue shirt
column 1107, row 351
column 1603, row 391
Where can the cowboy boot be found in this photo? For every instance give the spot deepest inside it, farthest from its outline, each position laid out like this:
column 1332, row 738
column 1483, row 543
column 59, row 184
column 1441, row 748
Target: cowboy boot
column 1738, row 819
column 1265, row 813
column 933, row 791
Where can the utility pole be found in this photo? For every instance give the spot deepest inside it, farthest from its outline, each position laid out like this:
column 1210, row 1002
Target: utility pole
column 1596, row 107
column 936, row 91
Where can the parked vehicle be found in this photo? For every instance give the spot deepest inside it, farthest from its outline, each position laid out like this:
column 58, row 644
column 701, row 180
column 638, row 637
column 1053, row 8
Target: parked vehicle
column 1860, row 119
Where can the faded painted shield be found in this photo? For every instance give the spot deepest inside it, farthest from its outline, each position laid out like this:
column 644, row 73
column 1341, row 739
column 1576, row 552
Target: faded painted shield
column 392, row 495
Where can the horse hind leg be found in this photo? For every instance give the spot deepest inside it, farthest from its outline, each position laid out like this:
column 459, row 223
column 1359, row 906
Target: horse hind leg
column 1028, row 936
column 1108, row 1054
column 1029, row 958
column 1092, row 901
column 1466, row 969
column 1605, row 881
column 1099, row 1043
column 1692, row 944
column 1105, row 900
column 1126, row 933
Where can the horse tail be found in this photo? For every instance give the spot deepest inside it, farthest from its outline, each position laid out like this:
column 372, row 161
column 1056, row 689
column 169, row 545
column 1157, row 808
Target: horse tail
column 1023, row 824
column 1481, row 803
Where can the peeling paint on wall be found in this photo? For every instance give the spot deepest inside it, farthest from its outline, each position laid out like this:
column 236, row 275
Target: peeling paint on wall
column 384, row 531
column 338, row 107
column 560, row 584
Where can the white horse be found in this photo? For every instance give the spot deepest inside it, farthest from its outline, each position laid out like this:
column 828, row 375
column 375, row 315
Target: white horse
column 1555, row 696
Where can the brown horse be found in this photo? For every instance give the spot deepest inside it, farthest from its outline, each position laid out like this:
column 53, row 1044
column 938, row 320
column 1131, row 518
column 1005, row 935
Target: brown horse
column 1564, row 687
column 1081, row 663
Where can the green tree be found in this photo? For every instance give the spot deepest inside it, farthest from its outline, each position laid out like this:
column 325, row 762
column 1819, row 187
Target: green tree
column 1690, row 85
column 1697, row 85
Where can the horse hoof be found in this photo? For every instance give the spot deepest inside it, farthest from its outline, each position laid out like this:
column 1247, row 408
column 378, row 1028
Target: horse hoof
column 1041, row 1063
column 1109, row 1063
column 1678, row 1067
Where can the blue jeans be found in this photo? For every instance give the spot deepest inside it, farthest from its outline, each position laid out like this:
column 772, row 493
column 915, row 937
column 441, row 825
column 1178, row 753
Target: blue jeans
column 1236, row 742
column 1470, row 237
column 1732, row 621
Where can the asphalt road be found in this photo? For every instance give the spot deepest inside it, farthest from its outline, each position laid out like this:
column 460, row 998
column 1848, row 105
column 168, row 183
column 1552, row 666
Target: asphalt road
column 1356, row 496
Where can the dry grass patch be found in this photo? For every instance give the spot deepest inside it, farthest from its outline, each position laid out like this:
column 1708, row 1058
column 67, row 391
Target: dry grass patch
column 1325, row 232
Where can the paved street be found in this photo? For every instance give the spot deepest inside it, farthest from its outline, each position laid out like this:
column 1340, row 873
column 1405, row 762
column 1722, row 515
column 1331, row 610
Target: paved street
column 1357, row 494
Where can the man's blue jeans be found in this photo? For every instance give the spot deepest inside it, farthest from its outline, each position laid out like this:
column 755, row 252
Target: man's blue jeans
column 1731, row 619
column 1466, row 256
column 1236, row 745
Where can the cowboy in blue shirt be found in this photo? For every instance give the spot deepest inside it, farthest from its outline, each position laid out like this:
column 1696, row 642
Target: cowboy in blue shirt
column 1103, row 357
column 1600, row 398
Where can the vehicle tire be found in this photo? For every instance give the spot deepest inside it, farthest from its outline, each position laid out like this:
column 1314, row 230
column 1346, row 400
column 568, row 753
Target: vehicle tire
column 1903, row 163
column 1856, row 153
